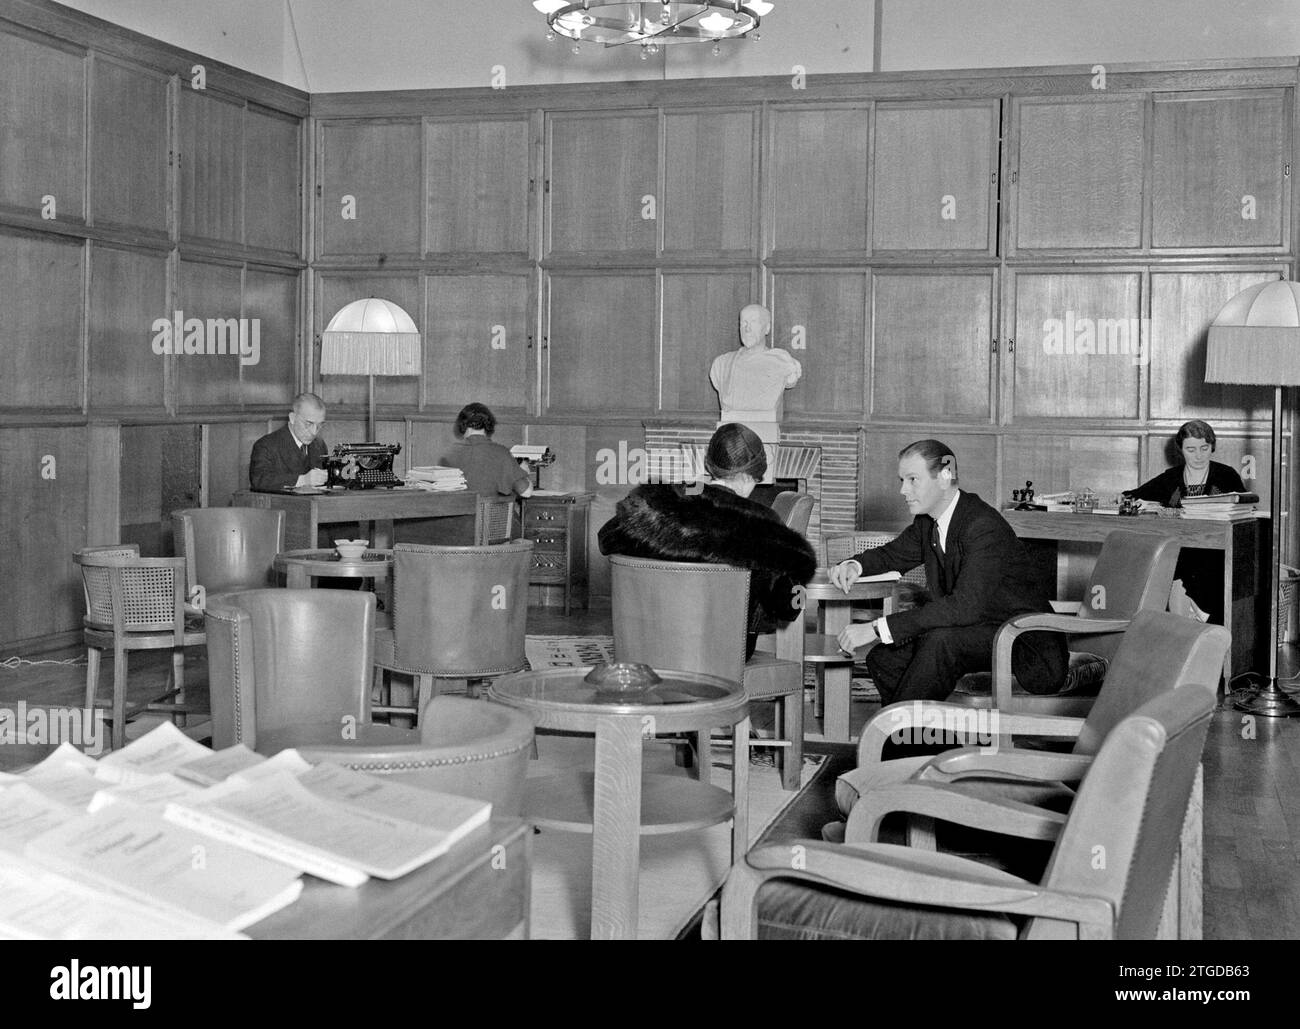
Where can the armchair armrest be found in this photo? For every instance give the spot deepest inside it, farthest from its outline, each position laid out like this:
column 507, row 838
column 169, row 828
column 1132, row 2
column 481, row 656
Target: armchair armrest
column 898, row 717
column 1003, row 696
column 1008, row 765
column 902, row 875
column 949, row 804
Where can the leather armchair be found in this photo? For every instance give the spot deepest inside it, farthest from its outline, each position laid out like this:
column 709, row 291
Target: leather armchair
column 459, row 613
column 278, row 658
column 1130, row 805
column 227, row 549
column 693, row 617
column 1134, row 572
column 794, row 509
column 465, row 747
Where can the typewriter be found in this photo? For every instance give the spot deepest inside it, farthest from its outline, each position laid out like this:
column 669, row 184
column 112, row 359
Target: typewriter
column 362, row 465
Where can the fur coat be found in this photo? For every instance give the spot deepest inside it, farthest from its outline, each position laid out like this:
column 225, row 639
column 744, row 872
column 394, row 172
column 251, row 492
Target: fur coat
column 718, row 526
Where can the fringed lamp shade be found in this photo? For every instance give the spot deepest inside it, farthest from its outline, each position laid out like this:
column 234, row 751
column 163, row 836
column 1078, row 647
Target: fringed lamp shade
column 370, row 337
column 1255, row 340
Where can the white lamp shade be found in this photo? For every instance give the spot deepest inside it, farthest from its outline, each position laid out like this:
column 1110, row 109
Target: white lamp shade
column 370, row 337
column 1255, row 338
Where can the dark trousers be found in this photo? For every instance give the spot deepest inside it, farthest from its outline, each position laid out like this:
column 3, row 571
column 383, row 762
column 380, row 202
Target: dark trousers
column 928, row 666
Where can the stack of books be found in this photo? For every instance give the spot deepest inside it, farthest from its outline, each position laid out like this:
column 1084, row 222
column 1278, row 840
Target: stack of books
column 1221, row 507
column 167, row 839
column 436, row 477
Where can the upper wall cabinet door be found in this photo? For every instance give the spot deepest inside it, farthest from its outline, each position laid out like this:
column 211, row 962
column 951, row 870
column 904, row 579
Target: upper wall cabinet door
column 1221, row 171
column 1080, row 344
column 935, row 172
column 272, row 181
column 268, row 366
column 129, row 183
column 131, row 329
column 1077, row 173
column 334, row 291
column 600, row 347
column 711, row 186
column 931, row 349
column 40, row 335
column 370, row 188
column 42, row 129
column 820, row 319
column 207, row 360
column 210, row 160
column 477, row 343
column 819, row 179
column 701, row 321
column 478, row 185
column 603, row 183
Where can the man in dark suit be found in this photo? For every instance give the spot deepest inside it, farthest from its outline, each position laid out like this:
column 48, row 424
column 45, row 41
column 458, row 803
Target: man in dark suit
column 294, row 455
column 978, row 574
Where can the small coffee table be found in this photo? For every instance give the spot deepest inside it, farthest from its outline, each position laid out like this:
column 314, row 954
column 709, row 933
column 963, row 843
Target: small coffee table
column 613, row 802
column 302, row 567
column 834, row 614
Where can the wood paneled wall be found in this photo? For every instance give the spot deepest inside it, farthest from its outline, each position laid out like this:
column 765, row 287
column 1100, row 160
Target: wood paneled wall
column 136, row 181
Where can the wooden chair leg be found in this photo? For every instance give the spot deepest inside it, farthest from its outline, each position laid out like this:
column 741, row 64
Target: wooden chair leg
column 92, row 676
column 790, row 759
column 178, row 684
column 119, row 697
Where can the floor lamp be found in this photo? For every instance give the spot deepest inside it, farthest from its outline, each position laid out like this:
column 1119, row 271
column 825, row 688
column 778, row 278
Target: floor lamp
column 370, row 337
column 1255, row 340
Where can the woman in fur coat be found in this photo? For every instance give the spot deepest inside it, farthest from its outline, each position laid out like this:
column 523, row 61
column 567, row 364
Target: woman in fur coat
column 718, row 523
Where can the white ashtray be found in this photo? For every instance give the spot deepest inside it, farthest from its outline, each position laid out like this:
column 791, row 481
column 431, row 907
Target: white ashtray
column 351, row 550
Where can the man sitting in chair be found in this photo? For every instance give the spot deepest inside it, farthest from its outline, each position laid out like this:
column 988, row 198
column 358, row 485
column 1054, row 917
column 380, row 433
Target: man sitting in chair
column 292, row 456
column 978, row 574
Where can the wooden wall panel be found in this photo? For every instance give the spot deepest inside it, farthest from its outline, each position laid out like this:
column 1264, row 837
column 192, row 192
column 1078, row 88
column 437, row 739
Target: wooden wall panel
column 40, row 334
column 701, row 321
column 1075, row 352
column 128, row 292
column 819, row 178
column 601, row 348
column 44, row 486
column 42, row 127
column 1183, row 304
column 881, row 505
column 270, row 298
column 820, row 318
column 931, row 342
column 334, row 292
column 1078, row 172
column 272, row 181
column 209, row 292
column 477, row 343
column 602, row 168
column 161, row 473
column 934, row 167
column 229, row 447
column 378, row 165
column 1104, row 464
column 710, row 171
column 210, row 149
column 478, row 186
column 1218, row 168
column 129, row 146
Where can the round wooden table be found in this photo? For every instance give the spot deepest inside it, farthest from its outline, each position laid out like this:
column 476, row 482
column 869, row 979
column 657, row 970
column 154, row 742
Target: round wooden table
column 613, row 802
column 302, row 567
column 834, row 613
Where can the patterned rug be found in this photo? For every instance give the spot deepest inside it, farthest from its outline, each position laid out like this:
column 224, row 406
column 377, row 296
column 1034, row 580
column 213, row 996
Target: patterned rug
column 580, row 651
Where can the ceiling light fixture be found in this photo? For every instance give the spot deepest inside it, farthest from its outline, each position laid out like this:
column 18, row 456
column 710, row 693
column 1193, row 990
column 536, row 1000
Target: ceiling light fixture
column 653, row 23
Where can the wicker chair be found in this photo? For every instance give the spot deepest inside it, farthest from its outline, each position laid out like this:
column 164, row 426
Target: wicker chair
column 136, row 603
column 496, row 520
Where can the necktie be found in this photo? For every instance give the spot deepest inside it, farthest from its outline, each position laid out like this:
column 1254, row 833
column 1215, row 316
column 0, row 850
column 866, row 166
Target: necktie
column 938, row 544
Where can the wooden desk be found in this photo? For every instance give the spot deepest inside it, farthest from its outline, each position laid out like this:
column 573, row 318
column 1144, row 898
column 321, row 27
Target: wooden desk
column 479, row 890
column 305, row 513
column 1245, row 546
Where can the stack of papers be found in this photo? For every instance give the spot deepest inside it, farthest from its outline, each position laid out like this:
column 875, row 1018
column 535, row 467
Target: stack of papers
column 1221, row 507
column 439, row 478
column 168, row 839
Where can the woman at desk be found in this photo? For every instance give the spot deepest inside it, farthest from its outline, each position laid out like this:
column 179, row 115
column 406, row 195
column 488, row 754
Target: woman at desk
column 489, row 469
column 1198, row 573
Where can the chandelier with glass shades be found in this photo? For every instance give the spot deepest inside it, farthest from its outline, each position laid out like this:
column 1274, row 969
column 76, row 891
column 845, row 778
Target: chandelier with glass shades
column 653, row 23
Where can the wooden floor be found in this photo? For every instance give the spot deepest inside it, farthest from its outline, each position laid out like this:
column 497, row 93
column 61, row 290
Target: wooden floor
column 1252, row 811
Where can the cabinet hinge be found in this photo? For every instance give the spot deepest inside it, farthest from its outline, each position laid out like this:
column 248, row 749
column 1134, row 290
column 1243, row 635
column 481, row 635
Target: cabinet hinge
column 993, row 347
column 1011, row 345
column 318, row 193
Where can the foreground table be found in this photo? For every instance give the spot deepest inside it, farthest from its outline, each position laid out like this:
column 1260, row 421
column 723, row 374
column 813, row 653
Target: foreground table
column 305, row 513
column 834, row 613
column 613, row 803
column 478, row 890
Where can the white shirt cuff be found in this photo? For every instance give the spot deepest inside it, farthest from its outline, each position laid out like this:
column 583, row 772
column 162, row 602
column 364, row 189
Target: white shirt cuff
column 882, row 630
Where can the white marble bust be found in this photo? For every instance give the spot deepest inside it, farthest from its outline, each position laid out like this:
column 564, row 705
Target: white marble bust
column 751, row 382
